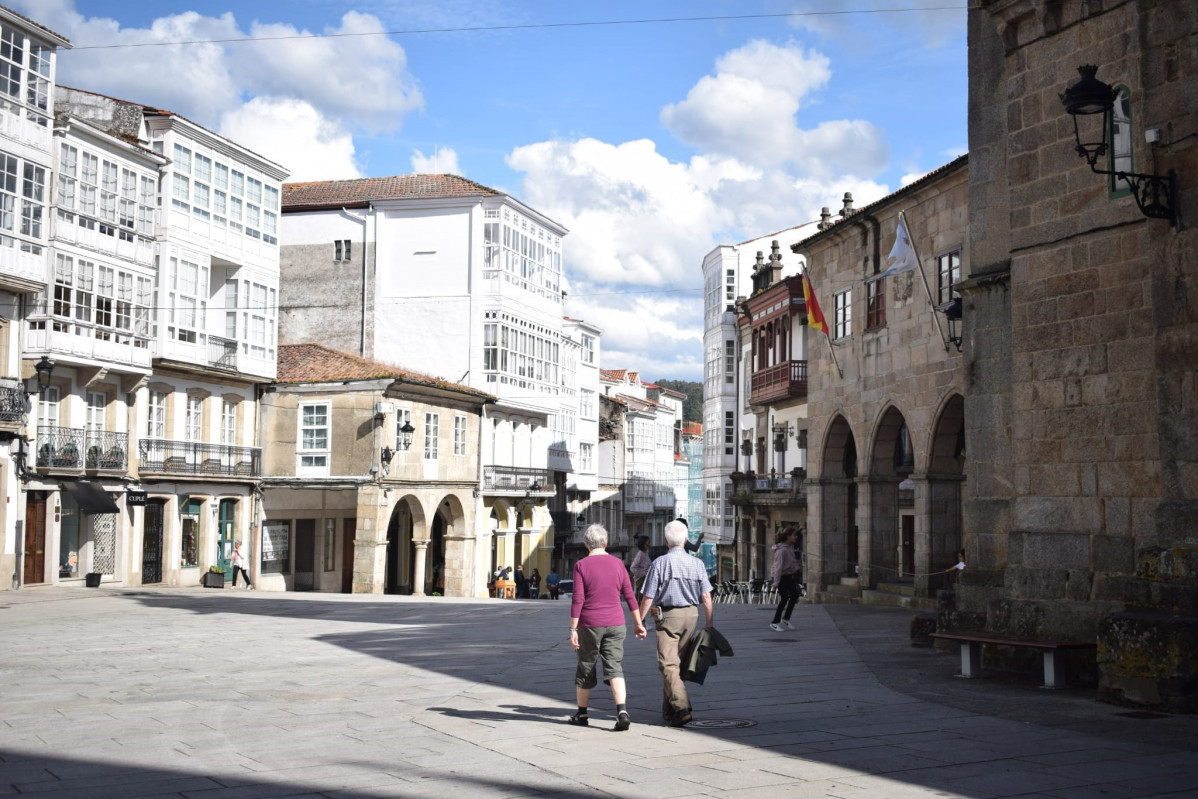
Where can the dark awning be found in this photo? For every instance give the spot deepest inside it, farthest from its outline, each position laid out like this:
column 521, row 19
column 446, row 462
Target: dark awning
column 90, row 497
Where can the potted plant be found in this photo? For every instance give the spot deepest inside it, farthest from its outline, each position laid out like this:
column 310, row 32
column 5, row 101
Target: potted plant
column 67, row 456
column 93, row 456
column 114, row 459
column 214, row 577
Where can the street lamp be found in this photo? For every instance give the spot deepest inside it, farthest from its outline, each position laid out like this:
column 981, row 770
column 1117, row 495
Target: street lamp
column 1155, row 195
column 403, row 438
column 44, row 369
column 952, row 312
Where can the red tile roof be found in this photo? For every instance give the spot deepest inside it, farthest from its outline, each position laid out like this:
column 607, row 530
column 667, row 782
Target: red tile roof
column 615, row 375
column 315, row 363
column 357, row 193
column 692, row 428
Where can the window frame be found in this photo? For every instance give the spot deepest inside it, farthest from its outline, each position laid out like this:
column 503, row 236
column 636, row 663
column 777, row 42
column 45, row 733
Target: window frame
column 318, row 457
column 842, row 304
column 875, row 304
column 945, row 292
column 432, row 435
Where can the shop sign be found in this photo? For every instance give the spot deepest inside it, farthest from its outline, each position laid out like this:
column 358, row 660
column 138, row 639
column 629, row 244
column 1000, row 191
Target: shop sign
column 135, row 498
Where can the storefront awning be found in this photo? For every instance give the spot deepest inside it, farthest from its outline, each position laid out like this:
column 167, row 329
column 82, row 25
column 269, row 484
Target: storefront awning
column 90, row 497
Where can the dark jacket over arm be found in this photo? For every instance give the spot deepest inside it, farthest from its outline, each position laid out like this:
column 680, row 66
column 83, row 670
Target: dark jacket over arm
column 702, row 653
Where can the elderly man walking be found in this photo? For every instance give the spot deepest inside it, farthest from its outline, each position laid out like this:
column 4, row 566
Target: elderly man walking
column 597, row 627
column 677, row 584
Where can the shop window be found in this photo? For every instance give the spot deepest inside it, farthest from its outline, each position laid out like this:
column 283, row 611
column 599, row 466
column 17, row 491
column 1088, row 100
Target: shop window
column 276, row 547
column 189, row 549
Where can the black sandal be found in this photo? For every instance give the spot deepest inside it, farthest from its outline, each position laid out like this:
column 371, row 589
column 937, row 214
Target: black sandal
column 579, row 720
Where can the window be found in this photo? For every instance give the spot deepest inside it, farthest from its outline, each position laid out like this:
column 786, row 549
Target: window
column 729, row 361
column 189, row 541
column 186, row 311
column 432, row 422
column 459, row 434
column 313, row 440
column 228, row 423
column 588, row 349
column 875, row 304
column 1120, row 153
column 342, row 250
column 490, row 348
column 730, row 285
column 402, row 416
column 844, row 313
column 729, row 433
column 948, row 273
column 586, row 403
column 276, row 547
column 586, row 457
column 156, row 415
column 194, row 429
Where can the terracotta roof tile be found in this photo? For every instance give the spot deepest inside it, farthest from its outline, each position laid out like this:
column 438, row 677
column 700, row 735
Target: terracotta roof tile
column 315, row 363
column 615, row 375
column 356, row 193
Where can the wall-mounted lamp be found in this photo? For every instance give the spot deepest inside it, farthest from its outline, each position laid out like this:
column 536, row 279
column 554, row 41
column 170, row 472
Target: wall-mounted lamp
column 44, row 369
column 1156, row 195
column 386, row 455
column 952, row 313
column 403, row 439
column 746, row 449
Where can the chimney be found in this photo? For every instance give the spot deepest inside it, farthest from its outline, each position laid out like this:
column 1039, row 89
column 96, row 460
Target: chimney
column 825, row 217
column 775, row 263
column 848, row 205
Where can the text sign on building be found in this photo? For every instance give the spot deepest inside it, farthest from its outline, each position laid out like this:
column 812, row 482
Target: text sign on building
column 135, row 498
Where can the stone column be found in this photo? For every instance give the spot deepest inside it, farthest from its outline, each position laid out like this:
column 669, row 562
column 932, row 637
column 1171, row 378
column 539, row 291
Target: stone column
column 863, row 518
column 923, row 533
column 421, row 557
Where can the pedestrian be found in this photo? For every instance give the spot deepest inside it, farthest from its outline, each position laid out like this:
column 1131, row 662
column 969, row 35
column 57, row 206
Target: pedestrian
column 640, row 564
column 239, row 566
column 534, row 585
column 521, row 583
column 553, row 581
column 676, row 584
column 598, row 627
column 960, row 566
column 785, row 571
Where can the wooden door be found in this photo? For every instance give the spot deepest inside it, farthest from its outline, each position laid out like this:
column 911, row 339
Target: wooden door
column 305, row 554
column 35, row 541
column 151, row 542
column 349, row 532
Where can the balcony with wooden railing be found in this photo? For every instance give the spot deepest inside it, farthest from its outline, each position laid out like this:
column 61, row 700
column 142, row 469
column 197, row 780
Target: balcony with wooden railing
column 787, row 380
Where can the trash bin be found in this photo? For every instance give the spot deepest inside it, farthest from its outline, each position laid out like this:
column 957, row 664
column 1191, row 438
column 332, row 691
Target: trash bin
column 93, row 579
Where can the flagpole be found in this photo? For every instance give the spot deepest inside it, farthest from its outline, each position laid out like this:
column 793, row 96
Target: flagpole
column 926, row 287
column 835, row 362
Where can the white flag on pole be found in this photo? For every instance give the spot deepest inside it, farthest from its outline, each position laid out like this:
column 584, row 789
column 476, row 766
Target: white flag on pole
column 902, row 254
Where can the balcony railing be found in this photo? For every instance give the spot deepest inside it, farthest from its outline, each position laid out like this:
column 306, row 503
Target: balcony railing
column 518, row 479
column 72, row 448
column 787, row 380
column 222, row 353
column 12, row 400
column 191, row 457
column 67, row 337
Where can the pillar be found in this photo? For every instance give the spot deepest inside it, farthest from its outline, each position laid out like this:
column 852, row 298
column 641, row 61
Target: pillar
column 420, row 566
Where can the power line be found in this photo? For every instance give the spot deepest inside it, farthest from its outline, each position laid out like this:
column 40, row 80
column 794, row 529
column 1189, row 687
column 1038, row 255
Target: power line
column 526, row 26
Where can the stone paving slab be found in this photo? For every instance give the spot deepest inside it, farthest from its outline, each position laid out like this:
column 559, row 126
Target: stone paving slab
column 113, row 692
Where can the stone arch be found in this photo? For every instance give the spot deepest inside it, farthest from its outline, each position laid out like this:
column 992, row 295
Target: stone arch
column 889, row 534
column 835, row 542
column 946, row 474
column 407, row 522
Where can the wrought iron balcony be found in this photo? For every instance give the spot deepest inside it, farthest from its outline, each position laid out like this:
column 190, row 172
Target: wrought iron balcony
column 72, row 448
column 198, row 458
column 518, row 480
column 787, row 380
column 12, row 401
column 222, row 353
column 106, row 450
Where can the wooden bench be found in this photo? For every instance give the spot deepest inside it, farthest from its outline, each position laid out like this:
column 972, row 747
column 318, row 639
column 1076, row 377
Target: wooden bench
column 1054, row 663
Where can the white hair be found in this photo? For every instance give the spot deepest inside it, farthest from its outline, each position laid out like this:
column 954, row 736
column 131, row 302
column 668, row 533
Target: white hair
column 595, row 537
column 676, row 534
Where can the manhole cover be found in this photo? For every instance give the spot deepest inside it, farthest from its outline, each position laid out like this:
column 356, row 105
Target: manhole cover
column 1143, row 714
column 711, row 724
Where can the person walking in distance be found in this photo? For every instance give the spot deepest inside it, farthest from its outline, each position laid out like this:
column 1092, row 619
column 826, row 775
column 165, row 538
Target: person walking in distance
column 677, row 584
column 597, row 626
column 640, row 564
column 785, row 570
column 239, row 567
column 553, row 581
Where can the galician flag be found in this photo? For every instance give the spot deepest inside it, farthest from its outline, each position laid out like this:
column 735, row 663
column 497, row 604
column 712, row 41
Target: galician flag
column 902, row 254
column 815, row 317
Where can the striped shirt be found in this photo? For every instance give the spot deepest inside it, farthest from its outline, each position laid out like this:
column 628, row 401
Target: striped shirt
column 677, row 579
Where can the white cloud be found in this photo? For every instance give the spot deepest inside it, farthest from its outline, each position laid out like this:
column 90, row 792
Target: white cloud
column 910, row 178
column 294, row 134
column 443, row 161
column 889, row 23
column 659, row 335
column 361, row 80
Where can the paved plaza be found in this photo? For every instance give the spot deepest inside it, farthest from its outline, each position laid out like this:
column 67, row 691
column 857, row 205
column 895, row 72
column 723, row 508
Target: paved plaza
column 115, row 692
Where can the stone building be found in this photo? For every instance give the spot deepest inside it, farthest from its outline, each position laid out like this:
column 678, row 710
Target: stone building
column 1081, row 323
column 885, row 393
column 354, row 504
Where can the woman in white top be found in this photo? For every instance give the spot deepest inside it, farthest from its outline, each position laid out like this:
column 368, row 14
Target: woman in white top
column 640, row 564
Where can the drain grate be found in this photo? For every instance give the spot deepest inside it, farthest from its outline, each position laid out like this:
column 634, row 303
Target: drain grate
column 722, row 724
column 1143, row 714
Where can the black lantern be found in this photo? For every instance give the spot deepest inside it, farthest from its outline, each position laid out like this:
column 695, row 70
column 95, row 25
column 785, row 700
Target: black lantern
column 1155, row 195
column 44, row 369
column 403, row 439
column 386, row 455
column 952, row 313
column 746, row 449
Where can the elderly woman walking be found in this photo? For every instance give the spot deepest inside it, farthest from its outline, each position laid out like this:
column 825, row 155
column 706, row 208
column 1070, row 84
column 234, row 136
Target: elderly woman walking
column 597, row 624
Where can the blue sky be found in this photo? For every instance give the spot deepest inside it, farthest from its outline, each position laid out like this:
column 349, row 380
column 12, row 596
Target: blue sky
column 652, row 143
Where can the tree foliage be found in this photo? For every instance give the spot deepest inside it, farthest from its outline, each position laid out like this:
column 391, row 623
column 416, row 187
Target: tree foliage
column 692, row 409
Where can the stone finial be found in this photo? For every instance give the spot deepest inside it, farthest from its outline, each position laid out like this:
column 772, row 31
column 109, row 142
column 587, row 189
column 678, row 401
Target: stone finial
column 825, row 218
column 848, row 204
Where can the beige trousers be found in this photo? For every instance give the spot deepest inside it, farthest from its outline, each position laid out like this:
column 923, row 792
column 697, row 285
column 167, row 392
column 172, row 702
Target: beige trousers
column 674, row 630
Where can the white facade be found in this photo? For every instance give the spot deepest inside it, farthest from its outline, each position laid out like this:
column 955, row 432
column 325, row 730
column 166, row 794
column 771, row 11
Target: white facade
column 727, row 275
column 27, row 58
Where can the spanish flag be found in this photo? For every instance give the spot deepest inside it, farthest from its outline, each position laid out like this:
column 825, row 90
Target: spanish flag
column 815, row 317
